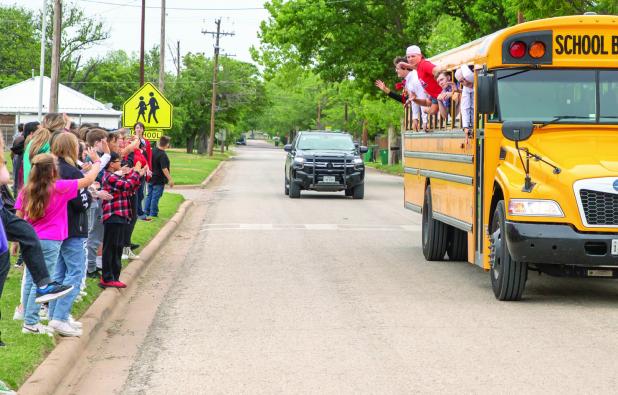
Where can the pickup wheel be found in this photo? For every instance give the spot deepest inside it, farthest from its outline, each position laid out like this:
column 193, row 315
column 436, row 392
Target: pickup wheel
column 349, row 192
column 508, row 277
column 359, row 191
column 435, row 233
column 286, row 186
column 457, row 248
column 294, row 191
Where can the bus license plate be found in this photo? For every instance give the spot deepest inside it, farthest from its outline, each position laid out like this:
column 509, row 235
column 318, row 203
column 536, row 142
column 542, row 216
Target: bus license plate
column 330, row 179
column 615, row 247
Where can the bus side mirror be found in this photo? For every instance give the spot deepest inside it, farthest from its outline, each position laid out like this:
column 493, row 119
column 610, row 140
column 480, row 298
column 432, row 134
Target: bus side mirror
column 517, row 130
column 287, row 148
column 486, row 93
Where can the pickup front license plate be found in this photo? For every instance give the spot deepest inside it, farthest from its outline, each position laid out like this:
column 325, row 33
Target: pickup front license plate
column 615, row 247
column 600, row 273
column 330, row 179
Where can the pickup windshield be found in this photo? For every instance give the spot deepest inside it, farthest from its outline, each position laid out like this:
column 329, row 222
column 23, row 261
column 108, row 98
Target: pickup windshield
column 557, row 96
column 324, row 141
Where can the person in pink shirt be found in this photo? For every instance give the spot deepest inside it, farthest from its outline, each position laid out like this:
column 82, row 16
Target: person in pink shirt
column 43, row 203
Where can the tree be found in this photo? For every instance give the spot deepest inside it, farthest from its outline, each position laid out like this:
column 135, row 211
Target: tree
column 79, row 33
column 19, row 45
column 239, row 92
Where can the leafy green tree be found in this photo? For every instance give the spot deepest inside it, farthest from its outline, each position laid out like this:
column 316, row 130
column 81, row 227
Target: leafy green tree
column 19, row 45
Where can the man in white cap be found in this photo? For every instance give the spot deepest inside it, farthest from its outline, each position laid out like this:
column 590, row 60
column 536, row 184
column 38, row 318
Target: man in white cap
column 425, row 72
column 465, row 77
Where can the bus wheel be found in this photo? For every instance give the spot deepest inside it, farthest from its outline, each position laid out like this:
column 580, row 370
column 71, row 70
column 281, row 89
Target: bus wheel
column 508, row 277
column 457, row 249
column 435, row 233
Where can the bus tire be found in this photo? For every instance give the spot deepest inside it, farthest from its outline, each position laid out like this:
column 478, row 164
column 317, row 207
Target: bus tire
column 508, row 276
column 457, row 248
column 434, row 232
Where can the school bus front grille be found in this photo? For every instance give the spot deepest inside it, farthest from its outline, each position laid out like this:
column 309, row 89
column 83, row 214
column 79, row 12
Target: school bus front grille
column 600, row 208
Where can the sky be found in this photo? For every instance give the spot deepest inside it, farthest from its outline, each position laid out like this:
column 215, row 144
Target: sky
column 185, row 21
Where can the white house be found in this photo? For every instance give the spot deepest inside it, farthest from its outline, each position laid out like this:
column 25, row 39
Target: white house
column 19, row 103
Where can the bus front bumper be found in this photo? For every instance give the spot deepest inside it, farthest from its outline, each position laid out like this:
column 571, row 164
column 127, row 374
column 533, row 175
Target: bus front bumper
column 560, row 245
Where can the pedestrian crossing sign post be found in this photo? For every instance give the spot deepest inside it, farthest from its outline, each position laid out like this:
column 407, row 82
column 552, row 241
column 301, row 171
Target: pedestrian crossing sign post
column 149, row 107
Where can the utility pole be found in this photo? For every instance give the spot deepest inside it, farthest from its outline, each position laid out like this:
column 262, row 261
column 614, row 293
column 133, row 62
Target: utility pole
column 55, row 63
column 141, row 48
column 42, row 65
column 162, row 49
column 213, row 105
column 178, row 58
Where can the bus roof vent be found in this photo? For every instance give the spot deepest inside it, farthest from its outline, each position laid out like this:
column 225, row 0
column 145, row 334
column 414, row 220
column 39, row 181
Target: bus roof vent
column 590, row 13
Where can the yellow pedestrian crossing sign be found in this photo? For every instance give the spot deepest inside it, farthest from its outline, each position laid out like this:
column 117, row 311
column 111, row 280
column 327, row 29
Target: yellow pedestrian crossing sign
column 149, row 107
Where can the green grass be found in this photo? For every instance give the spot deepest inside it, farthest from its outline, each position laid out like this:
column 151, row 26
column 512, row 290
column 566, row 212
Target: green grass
column 192, row 169
column 25, row 352
column 396, row 170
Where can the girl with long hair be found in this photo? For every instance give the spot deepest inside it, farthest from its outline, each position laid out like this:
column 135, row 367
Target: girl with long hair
column 70, row 266
column 43, row 203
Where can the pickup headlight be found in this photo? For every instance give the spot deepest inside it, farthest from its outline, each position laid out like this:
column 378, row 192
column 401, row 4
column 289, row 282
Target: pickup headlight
column 535, row 208
column 358, row 161
column 299, row 161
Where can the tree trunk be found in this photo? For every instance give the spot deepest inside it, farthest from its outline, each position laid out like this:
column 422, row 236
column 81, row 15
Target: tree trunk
column 392, row 141
column 202, row 145
column 190, row 143
column 365, row 133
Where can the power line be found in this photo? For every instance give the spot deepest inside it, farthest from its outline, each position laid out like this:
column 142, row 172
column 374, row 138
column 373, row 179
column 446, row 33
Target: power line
column 177, row 8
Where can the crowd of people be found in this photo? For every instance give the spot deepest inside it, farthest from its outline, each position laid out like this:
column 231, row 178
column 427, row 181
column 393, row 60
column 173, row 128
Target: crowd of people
column 78, row 192
column 429, row 91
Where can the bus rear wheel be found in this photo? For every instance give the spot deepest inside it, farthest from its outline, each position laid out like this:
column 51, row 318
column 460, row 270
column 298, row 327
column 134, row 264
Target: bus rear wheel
column 435, row 233
column 457, row 249
column 508, row 276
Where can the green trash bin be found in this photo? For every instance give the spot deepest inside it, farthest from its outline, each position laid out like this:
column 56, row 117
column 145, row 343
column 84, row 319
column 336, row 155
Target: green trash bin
column 369, row 155
column 384, row 156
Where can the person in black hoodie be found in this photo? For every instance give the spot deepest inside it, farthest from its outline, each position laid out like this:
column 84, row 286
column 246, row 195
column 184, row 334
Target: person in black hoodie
column 70, row 268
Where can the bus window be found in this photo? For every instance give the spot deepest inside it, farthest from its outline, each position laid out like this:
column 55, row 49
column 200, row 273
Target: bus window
column 608, row 93
column 542, row 95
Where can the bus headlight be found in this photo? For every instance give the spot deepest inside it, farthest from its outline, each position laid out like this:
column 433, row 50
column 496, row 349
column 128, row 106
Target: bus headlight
column 535, row 208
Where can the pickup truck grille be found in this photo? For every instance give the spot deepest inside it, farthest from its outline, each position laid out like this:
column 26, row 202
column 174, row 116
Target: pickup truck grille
column 600, row 208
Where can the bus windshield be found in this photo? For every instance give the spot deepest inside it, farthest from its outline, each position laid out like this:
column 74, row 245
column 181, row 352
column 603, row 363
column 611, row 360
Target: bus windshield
column 557, row 96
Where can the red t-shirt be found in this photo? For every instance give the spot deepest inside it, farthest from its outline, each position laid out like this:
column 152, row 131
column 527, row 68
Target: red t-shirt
column 425, row 76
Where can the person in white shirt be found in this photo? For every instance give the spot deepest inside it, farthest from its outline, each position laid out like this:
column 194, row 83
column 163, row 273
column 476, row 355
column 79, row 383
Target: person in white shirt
column 465, row 77
column 416, row 91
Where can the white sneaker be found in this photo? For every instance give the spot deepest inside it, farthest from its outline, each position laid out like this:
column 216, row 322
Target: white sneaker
column 131, row 254
column 75, row 324
column 124, row 254
column 19, row 314
column 64, row 328
column 37, row 329
column 43, row 316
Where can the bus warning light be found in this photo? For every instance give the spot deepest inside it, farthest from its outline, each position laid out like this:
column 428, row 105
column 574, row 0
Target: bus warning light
column 517, row 49
column 537, row 50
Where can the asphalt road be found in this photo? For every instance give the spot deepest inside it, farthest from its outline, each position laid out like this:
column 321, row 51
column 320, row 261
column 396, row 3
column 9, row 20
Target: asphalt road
column 259, row 293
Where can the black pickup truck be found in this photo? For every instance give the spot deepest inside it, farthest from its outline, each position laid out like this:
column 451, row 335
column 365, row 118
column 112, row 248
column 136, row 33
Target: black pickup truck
column 324, row 161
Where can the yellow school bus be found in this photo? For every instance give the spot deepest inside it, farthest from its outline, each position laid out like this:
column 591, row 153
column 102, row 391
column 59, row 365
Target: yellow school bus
column 534, row 185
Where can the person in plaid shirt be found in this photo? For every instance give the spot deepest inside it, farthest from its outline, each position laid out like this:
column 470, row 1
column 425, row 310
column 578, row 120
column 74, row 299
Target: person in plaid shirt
column 121, row 183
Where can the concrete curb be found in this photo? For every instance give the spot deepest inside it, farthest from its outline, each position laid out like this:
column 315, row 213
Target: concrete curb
column 59, row 363
column 206, row 181
column 214, row 172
